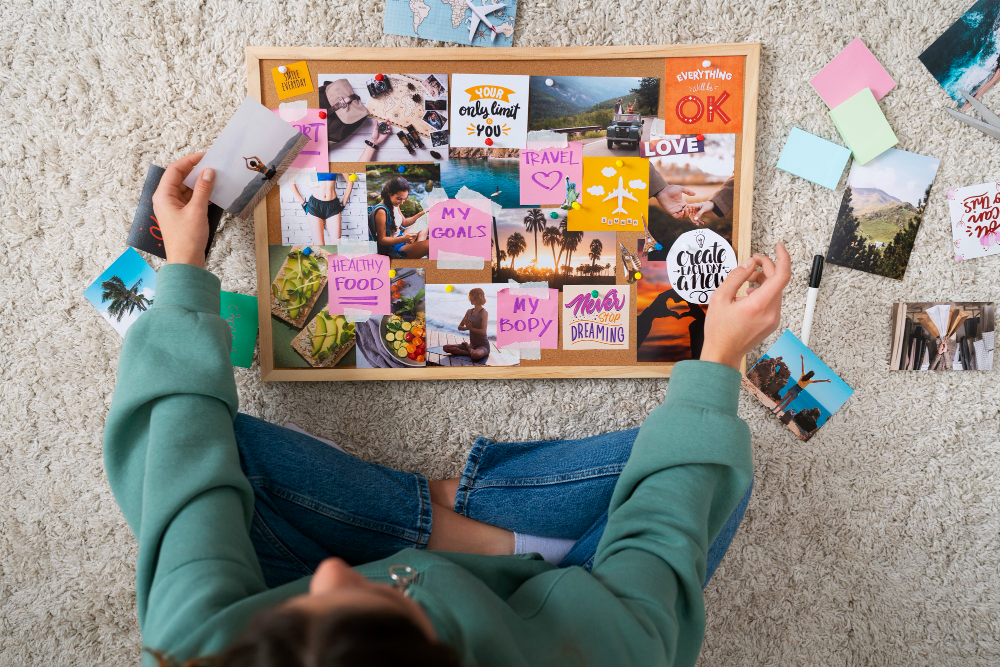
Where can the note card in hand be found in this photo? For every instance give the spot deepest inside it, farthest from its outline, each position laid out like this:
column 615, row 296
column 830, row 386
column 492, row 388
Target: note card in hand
column 240, row 313
column 359, row 284
column 850, row 72
column 145, row 233
column 546, row 171
column 528, row 319
column 863, row 126
column 813, row 158
column 459, row 227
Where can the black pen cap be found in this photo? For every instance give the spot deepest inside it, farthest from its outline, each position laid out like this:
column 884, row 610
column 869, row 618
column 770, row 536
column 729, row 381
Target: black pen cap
column 817, row 272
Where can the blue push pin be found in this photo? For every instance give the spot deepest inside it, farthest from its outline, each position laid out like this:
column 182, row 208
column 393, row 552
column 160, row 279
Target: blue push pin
column 307, row 251
column 401, row 169
column 658, row 246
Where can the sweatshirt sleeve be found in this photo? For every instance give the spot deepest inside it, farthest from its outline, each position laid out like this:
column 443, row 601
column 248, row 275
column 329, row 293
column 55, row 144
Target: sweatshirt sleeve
column 171, row 459
column 723, row 198
column 689, row 467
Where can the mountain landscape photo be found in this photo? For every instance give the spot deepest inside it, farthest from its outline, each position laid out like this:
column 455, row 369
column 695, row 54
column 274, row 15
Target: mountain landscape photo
column 880, row 215
column 575, row 101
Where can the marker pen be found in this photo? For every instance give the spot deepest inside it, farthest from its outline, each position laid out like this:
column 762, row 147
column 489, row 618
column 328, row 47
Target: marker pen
column 814, row 278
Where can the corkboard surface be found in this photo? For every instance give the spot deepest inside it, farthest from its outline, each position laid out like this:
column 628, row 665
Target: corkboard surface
column 599, row 61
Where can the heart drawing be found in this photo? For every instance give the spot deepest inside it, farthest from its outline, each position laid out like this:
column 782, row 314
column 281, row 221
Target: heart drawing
column 547, row 179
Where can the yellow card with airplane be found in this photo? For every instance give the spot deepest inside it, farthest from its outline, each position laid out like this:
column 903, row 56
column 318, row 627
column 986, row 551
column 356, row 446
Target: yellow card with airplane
column 617, row 195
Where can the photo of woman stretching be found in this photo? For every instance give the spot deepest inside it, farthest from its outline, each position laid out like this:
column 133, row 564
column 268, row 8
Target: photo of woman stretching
column 261, row 545
column 324, row 204
column 476, row 322
column 386, row 224
column 796, row 389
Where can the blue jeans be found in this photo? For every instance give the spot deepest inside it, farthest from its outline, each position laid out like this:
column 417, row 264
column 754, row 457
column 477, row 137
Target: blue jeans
column 313, row 501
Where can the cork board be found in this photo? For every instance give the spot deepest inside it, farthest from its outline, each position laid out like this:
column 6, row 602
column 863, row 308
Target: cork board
column 634, row 61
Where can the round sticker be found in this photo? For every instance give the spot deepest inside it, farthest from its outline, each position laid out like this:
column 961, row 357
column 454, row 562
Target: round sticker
column 698, row 262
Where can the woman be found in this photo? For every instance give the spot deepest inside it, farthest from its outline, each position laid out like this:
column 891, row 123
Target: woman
column 387, row 223
column 793, row 392
column 476, row 322
column 327, row 205
column 232, row 515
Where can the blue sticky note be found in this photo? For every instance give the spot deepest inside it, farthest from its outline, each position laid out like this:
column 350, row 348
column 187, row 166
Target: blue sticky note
column 813, row 158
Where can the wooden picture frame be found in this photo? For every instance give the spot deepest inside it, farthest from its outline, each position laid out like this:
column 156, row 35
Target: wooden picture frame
column 597, row 60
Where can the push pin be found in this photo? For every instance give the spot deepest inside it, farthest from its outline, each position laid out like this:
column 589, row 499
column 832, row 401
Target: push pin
column 321, row 114
column 307, row 251
column 594, row 293
column 577, row 206
column 352, row 177
column 553, row 215
column 489, row 142
column 658, row 246
column 706, row 63
column 700, row 137
column 282, row 69
column 449, row 288
column 638, row 276
column 401, row 169
column 619, row 163
column 392, row 272
column 379, row 77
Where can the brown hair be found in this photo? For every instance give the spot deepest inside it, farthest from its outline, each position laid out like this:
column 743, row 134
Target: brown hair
column 477, row 297
column 391, row 187
column 289, row 638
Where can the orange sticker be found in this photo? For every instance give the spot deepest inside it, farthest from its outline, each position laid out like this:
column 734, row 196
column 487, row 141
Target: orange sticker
column 292, row 79
column 704, row 95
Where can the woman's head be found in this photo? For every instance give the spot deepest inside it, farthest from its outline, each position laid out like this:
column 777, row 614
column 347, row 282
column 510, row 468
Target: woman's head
column 395, row 191
column 809, row 375
column 477, row 297
column 344, row 620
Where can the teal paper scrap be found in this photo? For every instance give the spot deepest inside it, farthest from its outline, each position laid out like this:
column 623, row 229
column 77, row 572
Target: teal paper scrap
column 813, row 158
column 240, row 313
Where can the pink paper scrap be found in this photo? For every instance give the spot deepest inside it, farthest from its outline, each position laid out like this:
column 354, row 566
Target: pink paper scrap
column 544, row 172
column 359, row 282
column 459, row 227
column 316, row 151
column 851, row 71
column 527, row 319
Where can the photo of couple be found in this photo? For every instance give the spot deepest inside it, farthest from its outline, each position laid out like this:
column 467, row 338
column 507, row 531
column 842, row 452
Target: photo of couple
column 667, row 327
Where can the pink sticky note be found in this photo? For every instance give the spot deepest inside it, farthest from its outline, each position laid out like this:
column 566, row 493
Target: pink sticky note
column 544, row 172
column 456, row 226
column 316, row 152
column 527, row 319
column 850, row 72
column 359, row 282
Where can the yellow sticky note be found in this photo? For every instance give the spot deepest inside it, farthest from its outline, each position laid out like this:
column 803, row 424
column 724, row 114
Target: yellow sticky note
column 295, row 80
column 614, row 198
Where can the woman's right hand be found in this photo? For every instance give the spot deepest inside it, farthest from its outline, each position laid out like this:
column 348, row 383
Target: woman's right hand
column 377, row 137
column 735, row 325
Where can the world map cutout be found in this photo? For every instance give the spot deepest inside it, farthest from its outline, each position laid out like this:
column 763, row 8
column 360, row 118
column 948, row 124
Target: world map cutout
column 449, row 21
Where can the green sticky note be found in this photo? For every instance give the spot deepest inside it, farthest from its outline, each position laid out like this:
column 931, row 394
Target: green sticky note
column 863, row 126
column 240, row 313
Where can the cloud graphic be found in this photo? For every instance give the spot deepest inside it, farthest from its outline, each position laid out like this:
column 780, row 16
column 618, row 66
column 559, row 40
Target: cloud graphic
column 637, row 183
column 608, row 172
column 596, row 190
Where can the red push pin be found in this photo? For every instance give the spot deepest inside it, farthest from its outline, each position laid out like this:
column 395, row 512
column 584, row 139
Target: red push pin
column 489, row 142
column 379, row 77
column 700, row 137
column 321, row 114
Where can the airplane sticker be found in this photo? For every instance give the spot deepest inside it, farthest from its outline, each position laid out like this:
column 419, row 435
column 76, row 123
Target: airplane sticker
column 479, row 13
column 617, row 195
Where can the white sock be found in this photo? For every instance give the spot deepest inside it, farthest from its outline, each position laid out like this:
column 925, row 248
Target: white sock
column 552, row 549
column 298, row 429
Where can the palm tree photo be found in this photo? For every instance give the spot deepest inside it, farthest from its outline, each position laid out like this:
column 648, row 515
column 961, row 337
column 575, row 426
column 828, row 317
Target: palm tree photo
column 124, row 300
column 515, row 246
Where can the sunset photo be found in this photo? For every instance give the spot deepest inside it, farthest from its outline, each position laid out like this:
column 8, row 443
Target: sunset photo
column 529, row 244
column 668, row 328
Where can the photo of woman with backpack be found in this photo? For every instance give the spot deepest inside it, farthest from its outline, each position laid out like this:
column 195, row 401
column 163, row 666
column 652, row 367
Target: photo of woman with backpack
column 396, row 204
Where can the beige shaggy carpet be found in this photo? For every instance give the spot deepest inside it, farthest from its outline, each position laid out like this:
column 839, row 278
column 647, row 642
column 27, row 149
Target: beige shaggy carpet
column 877, row 543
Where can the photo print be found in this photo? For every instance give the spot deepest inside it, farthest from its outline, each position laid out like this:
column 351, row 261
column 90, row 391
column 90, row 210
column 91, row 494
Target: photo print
column 490, row 110
column 390, row 112
column 596, row 317
column 253, row 151
column 398, row 198
column 398, row 340
column 942, row 336
column 881, row 212
column 975, row 220
column 703, row 95
column 123, row 291
column 462, row 326
column 610, row 115
column 303, row 331
column 967, row 56
column 708, row 174
column 320, row 209
column 533, row 244
column 667, row 327
column 145, row 233
column 497, row 179
column 796, row 386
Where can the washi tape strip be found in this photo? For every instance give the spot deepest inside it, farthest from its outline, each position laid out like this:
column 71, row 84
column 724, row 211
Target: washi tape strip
column 293, row 175
column 454, row 260
column 525, row 350
column 539, row 289
column 292, row 111
column 354, row 247
column 546, row 139
column 480, row 201
column 356, row 314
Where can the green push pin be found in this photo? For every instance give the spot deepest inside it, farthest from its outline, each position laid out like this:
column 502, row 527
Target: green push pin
column 553, row 215
column 594, row 294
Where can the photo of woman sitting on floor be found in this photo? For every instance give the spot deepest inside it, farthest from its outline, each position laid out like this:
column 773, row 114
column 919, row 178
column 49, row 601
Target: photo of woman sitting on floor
column 476, row 321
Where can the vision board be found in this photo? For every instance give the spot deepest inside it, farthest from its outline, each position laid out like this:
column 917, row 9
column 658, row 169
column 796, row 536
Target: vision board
column 562, row 212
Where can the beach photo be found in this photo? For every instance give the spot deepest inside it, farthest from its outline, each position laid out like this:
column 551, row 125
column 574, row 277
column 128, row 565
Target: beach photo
column 319, row 209
column 253, row 151
column 124, row 291
column 531, row 245
column 397, row 340
column 796, row 386
column 667, row 327
column 709, row 176
column 462, row 326
column 396, row 113
column 942, row 336
column 609, row 114
column 498, row 178
column 881, row 212
column 967, row 56
column 397, row 201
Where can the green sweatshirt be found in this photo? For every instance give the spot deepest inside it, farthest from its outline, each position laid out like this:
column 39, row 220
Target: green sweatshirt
column 172, row 462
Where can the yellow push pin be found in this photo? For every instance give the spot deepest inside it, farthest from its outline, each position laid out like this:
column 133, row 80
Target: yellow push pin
column 619, row 163
column 449, row 288
column 576, row 206
column 392, row 272
column 638, row 276
column 352, row 177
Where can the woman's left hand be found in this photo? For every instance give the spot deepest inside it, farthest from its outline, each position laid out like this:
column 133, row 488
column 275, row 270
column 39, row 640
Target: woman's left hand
column 182, row 213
